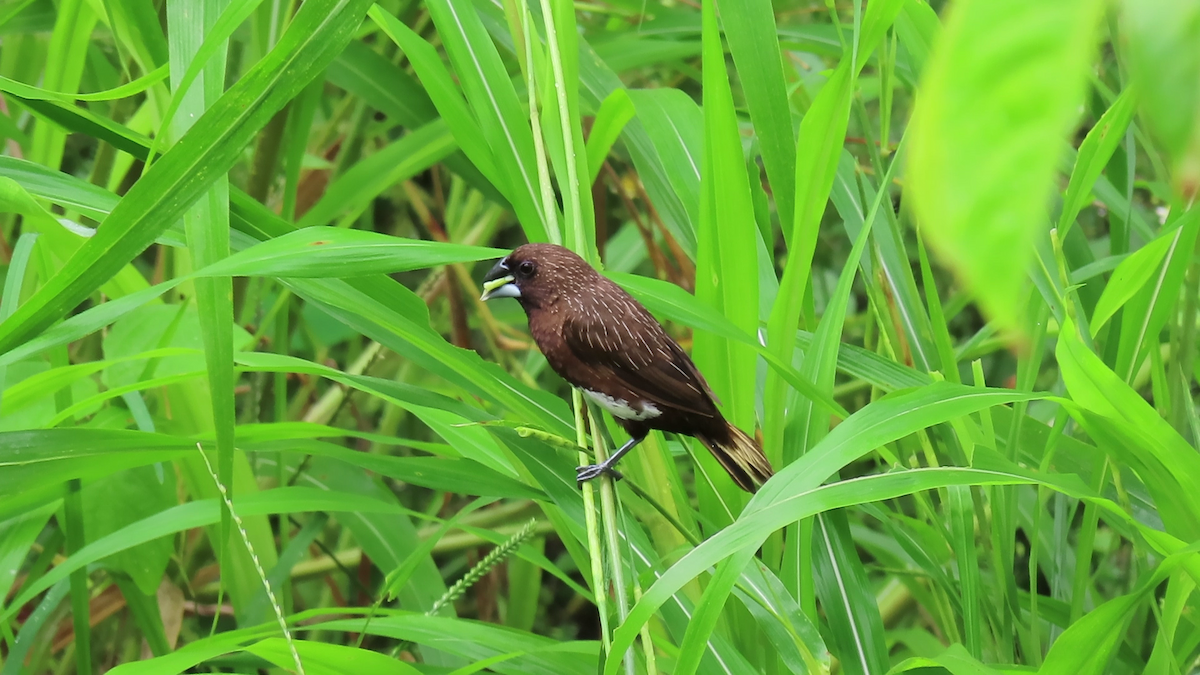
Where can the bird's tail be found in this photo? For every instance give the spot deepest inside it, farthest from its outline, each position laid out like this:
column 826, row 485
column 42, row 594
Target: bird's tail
column 741, row 457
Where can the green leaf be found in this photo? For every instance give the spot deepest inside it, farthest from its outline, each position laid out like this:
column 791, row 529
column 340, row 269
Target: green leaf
column 987, row 134
column 126, row 90
column 200, row 514
column 751, row 32
column 445, row 95
column 315, row 252
column 614, row 113
column 1161, row 34
column 369, row 75
column 675, row 127
column 1148, row 311
column 203, row 52
column 1122, row 420
column 1087, row 646
column 330, row 659
column 726, row 260
column 1095, row 151
column 476, row 641
column 109, row 508
column 1130, row 276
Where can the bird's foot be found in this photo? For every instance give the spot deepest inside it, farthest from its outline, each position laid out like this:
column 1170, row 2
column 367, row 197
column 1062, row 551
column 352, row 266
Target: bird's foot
column 593, row 471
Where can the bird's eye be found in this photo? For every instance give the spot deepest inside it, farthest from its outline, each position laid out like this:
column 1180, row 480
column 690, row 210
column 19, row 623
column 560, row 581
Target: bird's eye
column 526, row 269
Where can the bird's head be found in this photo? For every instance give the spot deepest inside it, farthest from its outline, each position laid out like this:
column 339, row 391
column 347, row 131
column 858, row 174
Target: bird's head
column 535, row 274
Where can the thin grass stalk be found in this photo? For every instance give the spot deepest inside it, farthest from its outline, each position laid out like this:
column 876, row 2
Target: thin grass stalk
column 539, row 147
column 575, row 217
column 262, row 575
column 647, row 642
column 599, row 586
column 608, row 511
column 281, row 415
column 75, row 540
column 80, row 609
column 595, row 544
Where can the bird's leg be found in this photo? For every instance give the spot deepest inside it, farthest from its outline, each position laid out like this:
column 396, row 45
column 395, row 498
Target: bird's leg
column 591, row 471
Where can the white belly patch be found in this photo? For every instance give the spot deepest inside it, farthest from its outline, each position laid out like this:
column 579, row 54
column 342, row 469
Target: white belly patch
column 619, row 407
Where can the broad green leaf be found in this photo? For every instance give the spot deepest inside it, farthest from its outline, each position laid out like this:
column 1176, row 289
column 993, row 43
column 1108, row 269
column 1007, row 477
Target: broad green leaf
column 1166, row 68
column 674, row 125
column 987, row 133
column 109, row 508
column 1121, row 418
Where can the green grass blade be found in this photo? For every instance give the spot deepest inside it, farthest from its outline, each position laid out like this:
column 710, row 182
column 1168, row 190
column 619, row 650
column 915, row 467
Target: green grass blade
column 1094, row 153
column 751, row 33
column 726, row 263
column 614, row 113
column 494, row 101
column 314, row 37
column 207, row 226
column 1148, row 311
column 878, row 423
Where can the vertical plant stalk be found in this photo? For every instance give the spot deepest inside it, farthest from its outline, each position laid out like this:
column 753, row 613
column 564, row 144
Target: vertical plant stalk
column 237, row 521
column 612, row 534
column 647, row 641
column 575, row 217
column 206, row 225
column 549, row 208
column 281, row 416
column 595, row 549
column 80, row 609
column 75, row 536
column 595, row 545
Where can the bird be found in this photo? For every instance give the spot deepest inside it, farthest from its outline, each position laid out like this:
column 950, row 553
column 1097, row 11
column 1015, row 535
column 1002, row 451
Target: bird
column 605, row 343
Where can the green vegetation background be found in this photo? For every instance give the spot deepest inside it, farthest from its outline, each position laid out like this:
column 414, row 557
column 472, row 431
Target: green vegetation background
column 941, row 256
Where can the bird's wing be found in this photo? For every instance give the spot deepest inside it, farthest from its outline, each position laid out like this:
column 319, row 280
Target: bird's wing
column 622, row 341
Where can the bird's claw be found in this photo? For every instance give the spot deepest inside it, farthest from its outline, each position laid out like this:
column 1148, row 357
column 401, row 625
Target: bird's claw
column 593, row 471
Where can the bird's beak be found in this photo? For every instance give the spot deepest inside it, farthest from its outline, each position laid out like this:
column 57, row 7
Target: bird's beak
column 499, row 283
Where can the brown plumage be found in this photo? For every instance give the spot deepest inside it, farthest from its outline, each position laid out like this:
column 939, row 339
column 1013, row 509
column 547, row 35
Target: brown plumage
column 604, row 342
